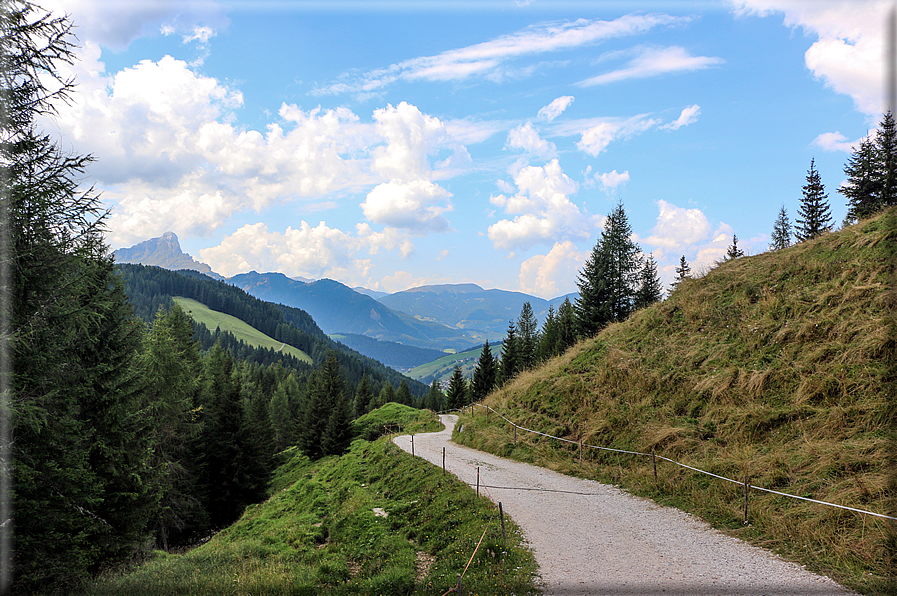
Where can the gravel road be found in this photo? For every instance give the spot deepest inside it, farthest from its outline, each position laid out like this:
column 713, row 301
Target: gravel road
column 591, row 538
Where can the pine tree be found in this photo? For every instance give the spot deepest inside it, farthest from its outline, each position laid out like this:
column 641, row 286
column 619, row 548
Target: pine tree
column 548, row 339
column 814, row 208
column 170, row 366
column 610, row 278
column 527, row 337
column 484, row 375
column 82, row 477
column 566, row 326
column 510, row 358
column 338, row 432
column 781, row 231
column 456, row 396
column 281, row 419
column 593, row 304
column 886, row 161
column 733, row 251
column 863, row 186
column 403, row 394
column 362, row 396
column 682, row 271
column 650, row 289
column 435, row 397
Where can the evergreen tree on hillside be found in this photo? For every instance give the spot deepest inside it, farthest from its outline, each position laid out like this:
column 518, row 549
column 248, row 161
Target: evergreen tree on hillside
column 435, row 398
column 814, row 208
column 170, row 366
column 566, row 326
column 548, row 339
column 886, row 161
column 484, row 375
column 733, row 252
column 863, row 186
column 232, row 473
column 362, row 397
column 510, row 356
column 527, row 337
column 682, row 271
column 281, row 419
column 83, row 483
column 781, row 231
column 403, row 394
column 338, row 432
column 456, row 396
column 650, row 289
column 610, row 278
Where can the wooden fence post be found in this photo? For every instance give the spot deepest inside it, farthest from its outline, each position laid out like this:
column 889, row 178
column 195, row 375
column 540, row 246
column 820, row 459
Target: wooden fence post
column 443, row 461
column 459, row 589
column 745, row 500
column 412, row 445
column 478, row 481
column 515, row 434
column 654, row 461
column 580, row 452
column 501, row 514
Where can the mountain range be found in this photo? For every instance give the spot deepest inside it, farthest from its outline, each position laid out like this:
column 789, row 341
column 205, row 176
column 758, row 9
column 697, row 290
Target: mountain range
column 437, row 317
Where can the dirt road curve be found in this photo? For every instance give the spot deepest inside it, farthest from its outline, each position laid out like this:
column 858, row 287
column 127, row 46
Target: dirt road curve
column 591, row 538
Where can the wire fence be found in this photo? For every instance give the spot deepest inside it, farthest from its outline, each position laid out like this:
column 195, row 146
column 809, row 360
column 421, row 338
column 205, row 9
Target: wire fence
column 655, row 457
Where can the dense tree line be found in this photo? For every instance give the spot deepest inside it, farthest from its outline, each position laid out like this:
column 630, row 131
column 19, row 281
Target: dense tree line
column 126, row 433
column 151, row 287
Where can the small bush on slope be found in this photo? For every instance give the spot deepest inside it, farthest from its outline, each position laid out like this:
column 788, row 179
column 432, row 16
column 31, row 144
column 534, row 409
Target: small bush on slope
column 778, row 367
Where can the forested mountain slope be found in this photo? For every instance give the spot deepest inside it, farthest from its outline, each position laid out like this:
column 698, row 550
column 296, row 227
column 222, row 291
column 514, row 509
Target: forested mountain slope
column 778, row 367
column 149, row 288
column 340, row 309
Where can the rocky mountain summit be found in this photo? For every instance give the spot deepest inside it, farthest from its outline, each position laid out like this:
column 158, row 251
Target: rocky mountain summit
column 162, row 252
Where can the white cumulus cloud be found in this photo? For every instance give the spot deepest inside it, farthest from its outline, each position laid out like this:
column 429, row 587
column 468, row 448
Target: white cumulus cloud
column 542, row 209
column 555, row 108
column 677, row 227
column 526, row 138
column 306, row 251
column 417, row 206
column 609, row 181
column 552, row 274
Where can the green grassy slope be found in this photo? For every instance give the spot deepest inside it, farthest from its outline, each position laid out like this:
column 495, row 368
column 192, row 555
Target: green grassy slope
column 320, row 533
column 778, row 367
column 442, row 368
column 242, row 331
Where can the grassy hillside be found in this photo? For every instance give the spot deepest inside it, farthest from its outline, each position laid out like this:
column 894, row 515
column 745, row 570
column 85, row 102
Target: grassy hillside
column 442, row 368
column 778, row 367
column 242, row 331
column 323, row 531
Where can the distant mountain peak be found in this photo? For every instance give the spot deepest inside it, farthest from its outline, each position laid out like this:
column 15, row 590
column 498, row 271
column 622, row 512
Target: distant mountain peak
column 164, row 252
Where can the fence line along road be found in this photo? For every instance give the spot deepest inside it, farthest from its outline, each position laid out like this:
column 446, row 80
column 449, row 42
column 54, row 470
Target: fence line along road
column 672, row 461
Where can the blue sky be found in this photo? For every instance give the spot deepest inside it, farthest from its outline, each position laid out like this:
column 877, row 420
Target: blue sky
column 397, row 144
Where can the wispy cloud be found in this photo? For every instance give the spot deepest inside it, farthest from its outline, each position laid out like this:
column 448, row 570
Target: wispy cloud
column 490, row 59
column 652, row 62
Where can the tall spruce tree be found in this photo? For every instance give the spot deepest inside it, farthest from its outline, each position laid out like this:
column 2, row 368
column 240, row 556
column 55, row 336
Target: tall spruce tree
column 170, row 367
column 510, row 356
column 80, row 455
column 527, row 337
column 403, row 394
column 362, row 396
column 863, row 185
column 781, row 231
column 484, row 375
column 566, row 326
column 548, row 339
column 886, row 161
column 435, row 397
column 650, row 289
column 814, row 209
column 610, row 278
column 456, row 396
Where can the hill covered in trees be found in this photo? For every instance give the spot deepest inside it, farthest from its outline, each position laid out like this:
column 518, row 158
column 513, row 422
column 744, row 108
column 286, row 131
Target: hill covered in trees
column 778, row 367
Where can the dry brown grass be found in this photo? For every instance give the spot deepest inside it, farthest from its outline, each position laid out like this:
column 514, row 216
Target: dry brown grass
column 778, row 366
